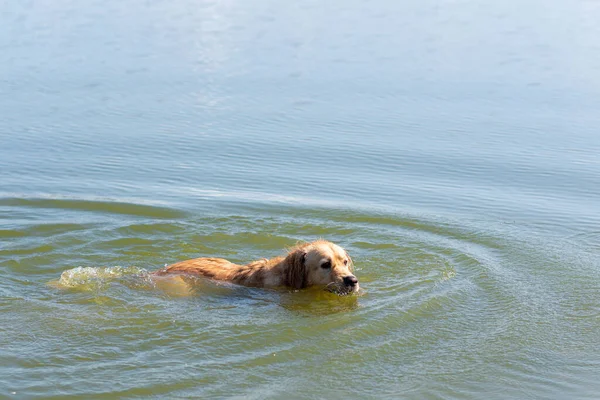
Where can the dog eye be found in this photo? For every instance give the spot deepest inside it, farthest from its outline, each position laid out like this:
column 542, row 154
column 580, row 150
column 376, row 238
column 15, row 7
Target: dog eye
column 345, row 262
column 326, row 265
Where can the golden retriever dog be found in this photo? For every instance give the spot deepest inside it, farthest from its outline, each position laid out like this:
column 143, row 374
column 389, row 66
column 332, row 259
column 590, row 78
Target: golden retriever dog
column 319, row 263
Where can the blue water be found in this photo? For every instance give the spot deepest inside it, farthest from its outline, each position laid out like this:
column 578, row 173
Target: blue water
column 450, row 146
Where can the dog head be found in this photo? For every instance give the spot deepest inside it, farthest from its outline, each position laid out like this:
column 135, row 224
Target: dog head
column 321, row 263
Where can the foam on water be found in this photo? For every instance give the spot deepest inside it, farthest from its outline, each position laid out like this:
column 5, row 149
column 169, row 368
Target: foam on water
column 94, row 277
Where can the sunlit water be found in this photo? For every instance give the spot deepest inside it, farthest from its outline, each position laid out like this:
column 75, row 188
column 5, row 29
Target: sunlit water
column 451, row 147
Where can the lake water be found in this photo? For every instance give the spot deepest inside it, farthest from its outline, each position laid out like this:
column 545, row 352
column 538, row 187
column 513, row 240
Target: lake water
column 452, row 147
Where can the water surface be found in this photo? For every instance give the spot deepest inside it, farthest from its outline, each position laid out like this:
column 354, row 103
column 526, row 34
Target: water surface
column 451, row 147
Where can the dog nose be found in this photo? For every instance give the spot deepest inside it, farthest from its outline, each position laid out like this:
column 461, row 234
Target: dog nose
column 350, row 280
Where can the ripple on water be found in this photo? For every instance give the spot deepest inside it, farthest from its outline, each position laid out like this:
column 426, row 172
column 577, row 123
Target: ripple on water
column 434, row 289
column 110, row 207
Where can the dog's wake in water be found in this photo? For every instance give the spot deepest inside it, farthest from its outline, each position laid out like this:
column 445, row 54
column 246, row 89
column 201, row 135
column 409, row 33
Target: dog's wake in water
column 82, row 277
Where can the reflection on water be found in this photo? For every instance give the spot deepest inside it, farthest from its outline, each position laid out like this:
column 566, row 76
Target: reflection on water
column 451, row 147
column 457, row 291
column 318, row 302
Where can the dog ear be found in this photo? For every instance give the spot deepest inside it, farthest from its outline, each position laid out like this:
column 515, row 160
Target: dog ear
column 296, row 269
column 350, row 262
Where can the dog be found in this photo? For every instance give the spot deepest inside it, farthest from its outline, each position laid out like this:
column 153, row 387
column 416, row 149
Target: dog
column 318, row 263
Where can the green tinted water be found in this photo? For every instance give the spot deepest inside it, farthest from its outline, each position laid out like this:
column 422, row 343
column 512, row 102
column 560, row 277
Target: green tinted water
column 450, row 148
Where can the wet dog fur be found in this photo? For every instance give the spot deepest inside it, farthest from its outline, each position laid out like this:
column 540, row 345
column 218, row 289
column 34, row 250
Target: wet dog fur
column 318, row 263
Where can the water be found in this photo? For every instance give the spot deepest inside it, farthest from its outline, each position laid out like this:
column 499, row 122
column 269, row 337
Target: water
column 451, row 147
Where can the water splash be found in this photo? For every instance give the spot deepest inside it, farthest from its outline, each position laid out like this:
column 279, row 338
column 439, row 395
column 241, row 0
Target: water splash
column 93, row 278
